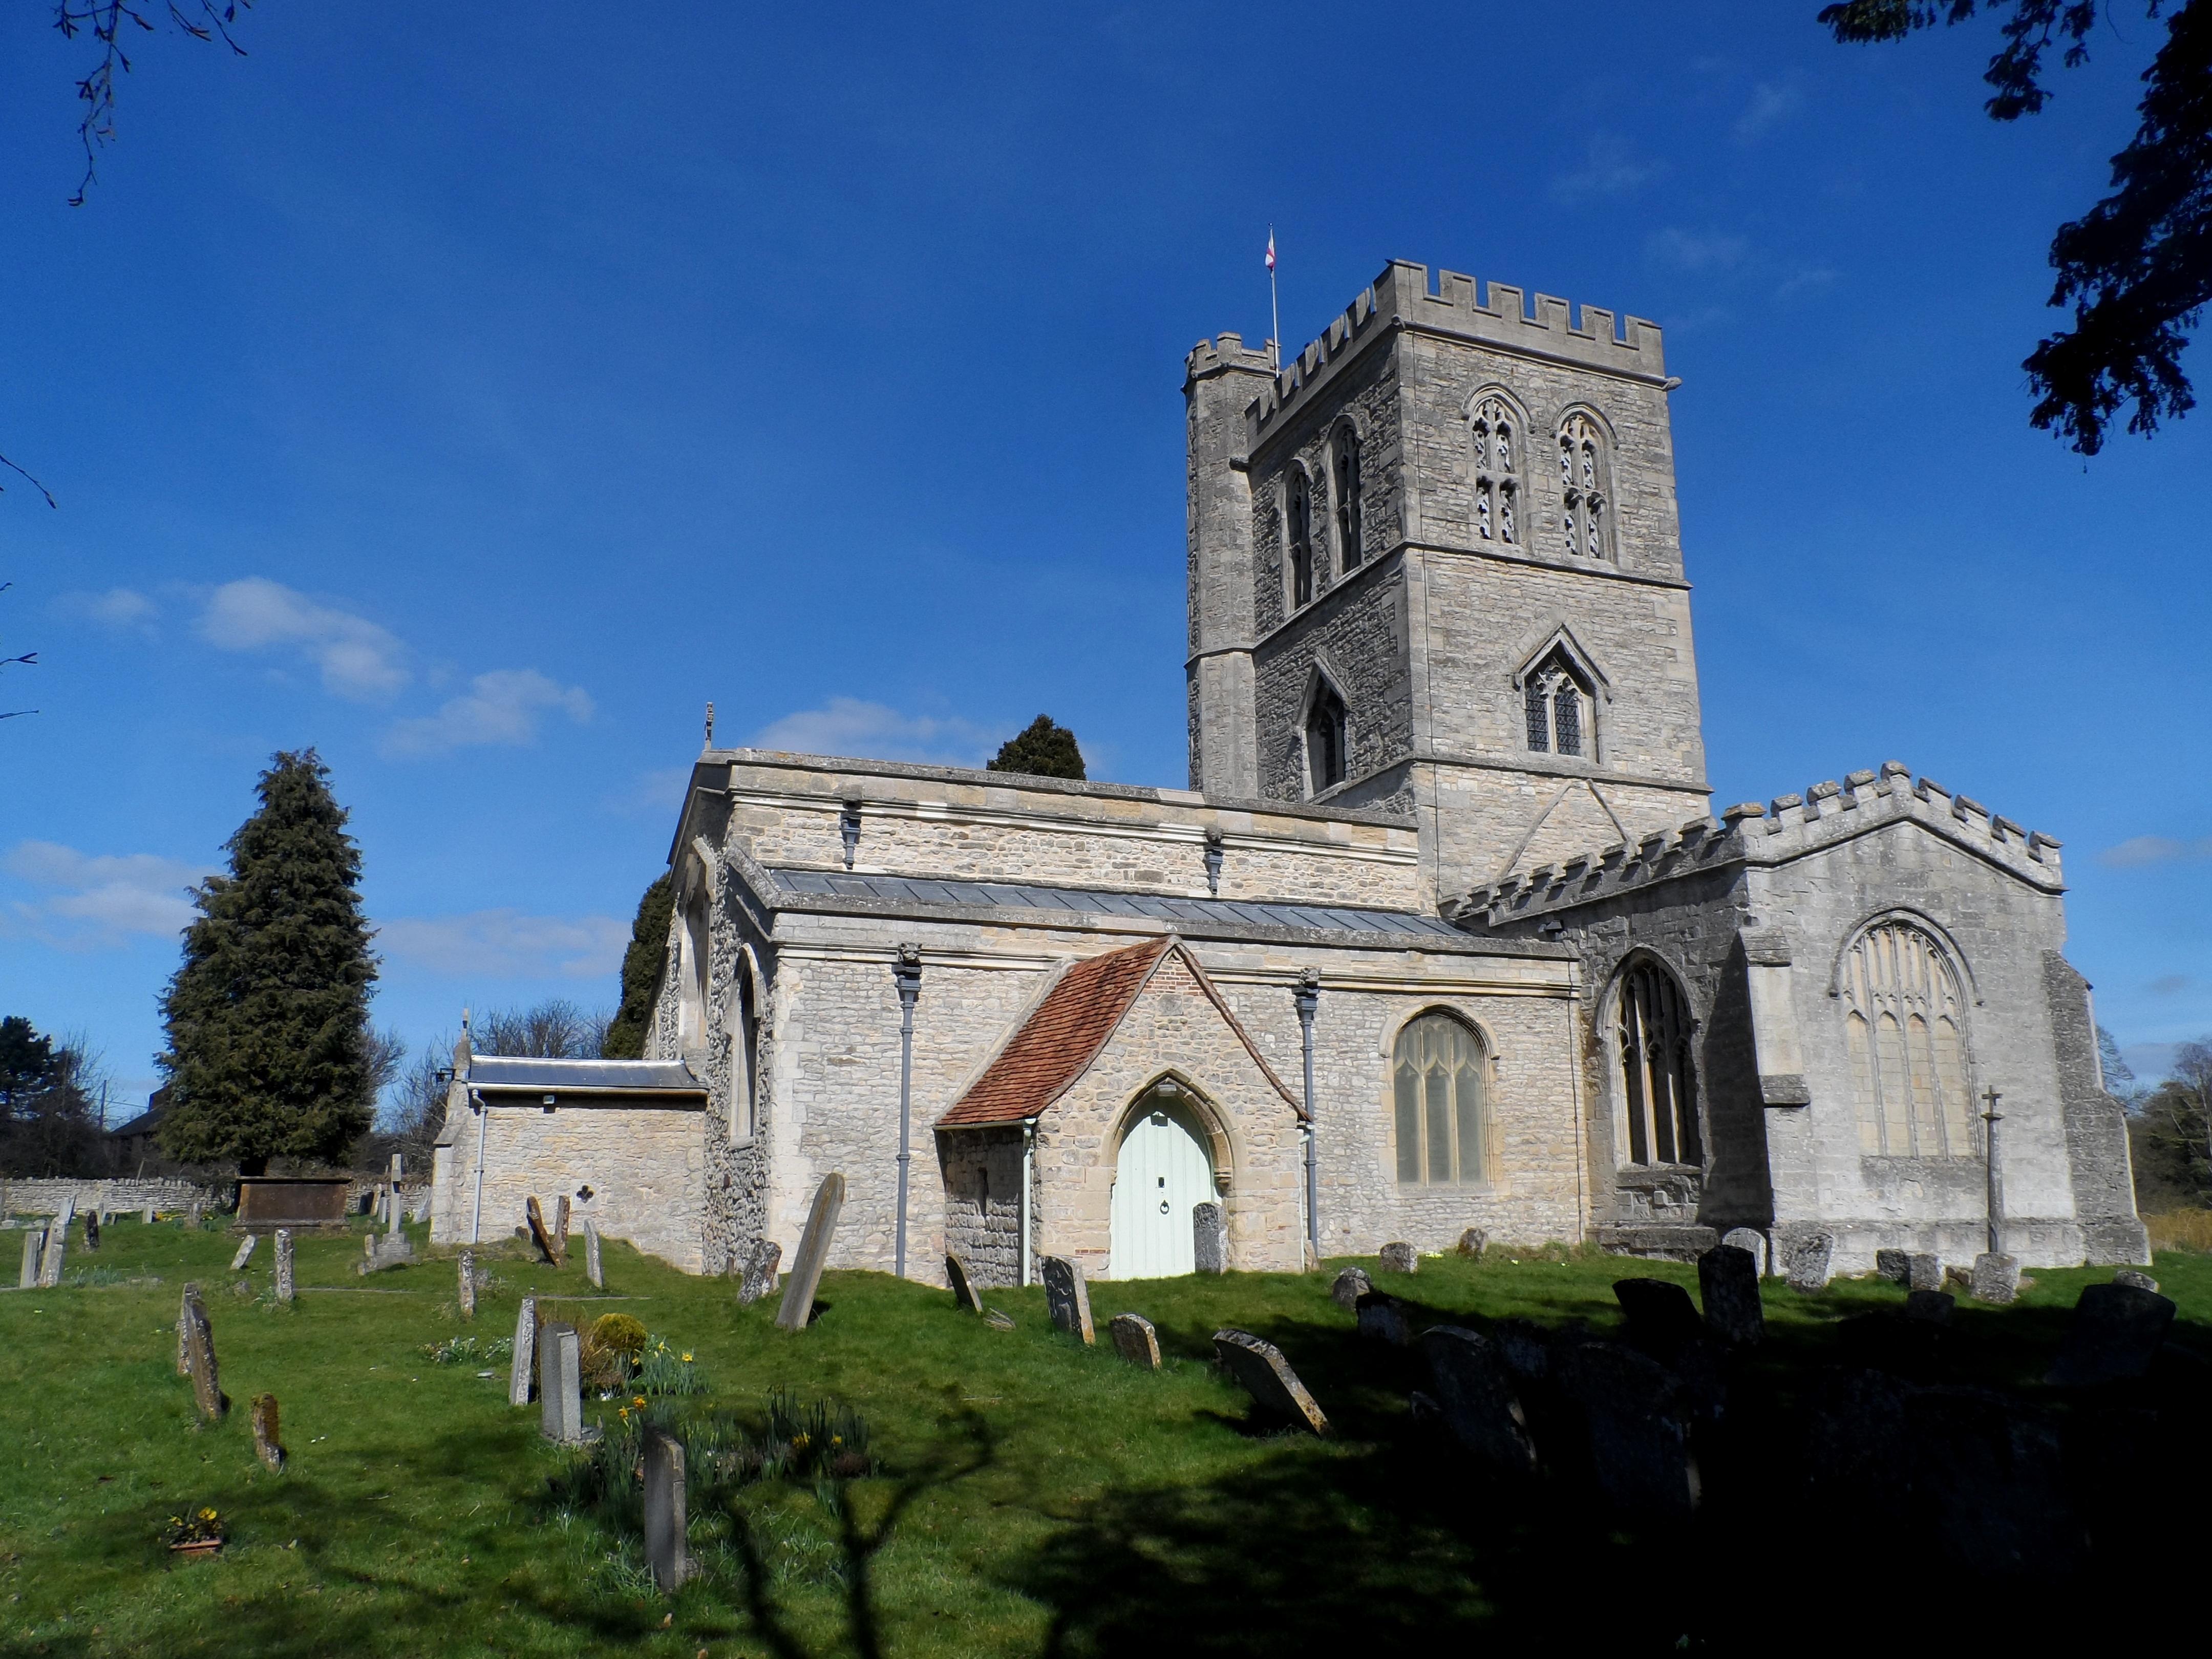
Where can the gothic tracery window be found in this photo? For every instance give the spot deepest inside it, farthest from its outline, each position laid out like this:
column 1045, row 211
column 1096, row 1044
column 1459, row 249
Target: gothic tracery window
column 1557, row 704
column 1496, row 439
column 1325, row 739
column 1904, row 1025
column 1348, row 548
column 1440, row 1095
column 1658, row 1070
column 1585, row 519
column 1300, row 539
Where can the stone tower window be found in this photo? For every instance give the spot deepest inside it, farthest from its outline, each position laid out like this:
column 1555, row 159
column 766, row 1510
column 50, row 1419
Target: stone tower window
column 1349, row 550
column 1586, row 520
column 1325, row 739
column 1440, row 1093
column 694, row 948
column 1903, row 1025
column 1557, row 705
column 1658, row 1071
column 1495, row 436
column 1301, row 538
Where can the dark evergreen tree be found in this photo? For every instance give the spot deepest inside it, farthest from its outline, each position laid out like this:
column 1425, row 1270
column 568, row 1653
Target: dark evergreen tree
column 640, row 971
column 270, row 1049
column 27, row 1066
column 1042, row 749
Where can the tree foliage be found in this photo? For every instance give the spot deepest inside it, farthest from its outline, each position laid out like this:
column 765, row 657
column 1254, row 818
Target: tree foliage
column 270, row 1049
column 51, row 1095
column 640, row 971
column 556, row 1030
column 1042, row 750
column 2170, row 1135
column 2137, row 267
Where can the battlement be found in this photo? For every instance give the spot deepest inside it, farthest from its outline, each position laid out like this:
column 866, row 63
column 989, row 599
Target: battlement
column 1400, row 297
column 1211, row 357
column 1789, row 828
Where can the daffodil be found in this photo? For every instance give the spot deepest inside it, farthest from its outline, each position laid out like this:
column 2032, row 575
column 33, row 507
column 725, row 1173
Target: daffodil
column 687, row 1358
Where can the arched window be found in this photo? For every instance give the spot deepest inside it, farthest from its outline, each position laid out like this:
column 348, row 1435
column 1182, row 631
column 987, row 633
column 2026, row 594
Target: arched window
column 1496, row 435
column 1905, row 1027
column 1440, row 1085
column 1325, row 739
column 1586, row 520
column 744, row 1052
column 1348, row 548
column 1658, row 1070
column 1558, row 706
column 693, row 967
column 1301, row 536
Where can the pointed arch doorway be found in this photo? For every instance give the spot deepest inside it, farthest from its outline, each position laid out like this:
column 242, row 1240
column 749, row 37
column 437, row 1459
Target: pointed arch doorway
column 1164, row 1171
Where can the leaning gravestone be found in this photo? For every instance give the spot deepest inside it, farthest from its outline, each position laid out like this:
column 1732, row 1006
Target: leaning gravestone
column 1067, row 1298
column 34, row 1245
column 1135, row 1339
column 1381, row 1320
column 185, row 1306
column 536, row 1214
column 50, row 1264
column 1662, row 1319
column 760, row 1272
column 1475, row 1398
column 61, row 1222
column 1638, row 1433
column 1351, row 1284
column 963, row 1288
column 1996, row 1278
column 268, row 1443
column 664, row 1517
column 561, row 1386
column 245, row 1253
column 1400, row 1258
column 522, row 1364
column 2116, row 1331
column 561, row 1227
column 466, row 1288
column 199, row 1361
column 1260, row 1368
column 591, row 1268
column 1727, row 1277
column 1808, row 1261
column 797, row 1307
column 286, row 1289
column 2142, row 1281
column 1209, row 1239
column 1751, row 1240
column 1472, row 1242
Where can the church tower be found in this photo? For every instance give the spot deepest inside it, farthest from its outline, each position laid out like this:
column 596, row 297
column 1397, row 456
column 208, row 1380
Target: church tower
column 1436, row 570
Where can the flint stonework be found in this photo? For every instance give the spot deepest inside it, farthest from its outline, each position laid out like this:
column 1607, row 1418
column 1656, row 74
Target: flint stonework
column 1351, row 1284
column 1209, row 1238
column 759, row 1278
column 2114, row 1334
column 282, row 1245
column 963, row 1288
column 1475, row 1397
column 1727, row 1280
column 664, row 1511
column 1067, row 1297
column 522, row 1368
column 797, row 1307
column 1135, row 1339
column 1260, row 1369
column 1400, row 1258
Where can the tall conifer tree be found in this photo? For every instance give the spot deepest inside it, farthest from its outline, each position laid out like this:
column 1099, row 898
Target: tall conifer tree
column 270, row 1051
column 640, row 971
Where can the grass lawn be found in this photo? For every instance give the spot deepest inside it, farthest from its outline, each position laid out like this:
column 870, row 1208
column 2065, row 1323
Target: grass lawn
column 1032, row 1497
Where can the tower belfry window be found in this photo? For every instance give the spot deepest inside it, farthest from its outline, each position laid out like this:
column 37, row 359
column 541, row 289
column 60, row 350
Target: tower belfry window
column 1585, row 490
column 1348, row 550
column 1557, row 704
column 1496, row 444
column 1325, row 739
column 1301, row 538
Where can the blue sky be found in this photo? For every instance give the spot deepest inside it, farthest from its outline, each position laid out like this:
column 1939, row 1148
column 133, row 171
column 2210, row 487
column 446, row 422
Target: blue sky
column 474, row 394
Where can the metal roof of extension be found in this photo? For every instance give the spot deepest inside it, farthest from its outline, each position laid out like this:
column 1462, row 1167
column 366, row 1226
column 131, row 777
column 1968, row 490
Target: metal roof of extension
column 591, row 1076
column 1202, row 912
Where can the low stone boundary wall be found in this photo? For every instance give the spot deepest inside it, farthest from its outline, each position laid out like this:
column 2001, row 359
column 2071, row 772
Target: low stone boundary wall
column 47, row 1197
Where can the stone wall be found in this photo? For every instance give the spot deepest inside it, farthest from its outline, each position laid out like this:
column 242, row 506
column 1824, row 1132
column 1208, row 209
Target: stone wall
column 37, row 1198
column 982, row 1173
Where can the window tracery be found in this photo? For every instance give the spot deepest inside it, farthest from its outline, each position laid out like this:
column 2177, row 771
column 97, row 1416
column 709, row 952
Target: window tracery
column 1558, row 706
column 1904, row 1028
column 1658, row 1068
column 1300, row 531
column 1585, row 487
column 1325, row 739
column 1495, row 436
column 1441, row 1103
column 1349, row 550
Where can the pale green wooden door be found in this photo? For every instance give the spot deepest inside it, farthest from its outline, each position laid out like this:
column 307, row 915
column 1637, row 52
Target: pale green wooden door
column 1163, row 1172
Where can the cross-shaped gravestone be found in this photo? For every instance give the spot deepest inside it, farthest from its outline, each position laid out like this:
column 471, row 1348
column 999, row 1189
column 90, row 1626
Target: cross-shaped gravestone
column 797, row 1308
column 1992, row 1117
column 523, row 1361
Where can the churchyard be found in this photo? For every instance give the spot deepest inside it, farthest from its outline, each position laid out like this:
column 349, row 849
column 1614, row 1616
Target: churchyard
column 915, row 1473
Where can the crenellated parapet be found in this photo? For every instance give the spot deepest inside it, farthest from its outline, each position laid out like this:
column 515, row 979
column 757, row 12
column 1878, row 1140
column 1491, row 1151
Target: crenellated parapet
column 1790, row 827
column 1589, row 337
column 1223, row 354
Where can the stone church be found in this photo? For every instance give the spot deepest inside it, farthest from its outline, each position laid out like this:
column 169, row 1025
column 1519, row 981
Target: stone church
column 1444, row 933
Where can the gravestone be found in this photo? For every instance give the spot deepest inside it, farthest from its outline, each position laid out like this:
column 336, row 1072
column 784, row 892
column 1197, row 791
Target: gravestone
column 91, row 1230
column 535, row 1215
column 190, row 1300
column 592, row 1266
column 1661, row 1318
column 61, row 1222
column 2142, row 1281
column 797, row 1307
column 963, row 1288
column 466, row 1289
column 245, row 1253
column 1989, row 1485
column 1135, row 1340
column 522, row 1366
column 383, row 1250
column 1209, row 1238
column 1260, row 1369
column 50, row 1264
column 1923, row 1270
column 146, row 1218
column 268, row 1444
column 35, row 1246
column 1895, row 1265
column 1637, row 1433
column 1400, row 1258
column 2116, row 1332
column 998, row 1321
column 760, row 1272
column 193, row 1215
column 1752, row 1240
column 1351, row 1284
column 199, row 1364
column 664, row 1515
column 1381, row 1320
column 1929, row 1307
column 1067, row 1298
column 561, row 1227
column 1524, row 1348
column 1472, row 1242
column 286, row 1289
column 1808, row 1261
column 1996, row 1278
column 561, row 1386
column 1728, row 1279
column 1475, row 1398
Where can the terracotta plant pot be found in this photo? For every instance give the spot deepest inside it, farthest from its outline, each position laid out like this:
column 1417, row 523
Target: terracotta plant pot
column 196, row 1546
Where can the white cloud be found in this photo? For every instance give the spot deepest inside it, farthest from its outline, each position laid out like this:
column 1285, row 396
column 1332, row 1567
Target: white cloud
column 1769, row 106
column 1610, row 168
column 123, row 609
column 2140, row 850
column 848, row 727
column 1806, row 279
column 509, row 945
column 1688, row 250
column 92, row 902
column 359, row 660
column 499, row 708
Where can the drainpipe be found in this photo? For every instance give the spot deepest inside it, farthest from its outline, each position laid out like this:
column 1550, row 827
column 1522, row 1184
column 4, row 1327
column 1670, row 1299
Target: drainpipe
column 905, row 973
column 1029, row 1163
column 1308, row 996
column 484, row 1122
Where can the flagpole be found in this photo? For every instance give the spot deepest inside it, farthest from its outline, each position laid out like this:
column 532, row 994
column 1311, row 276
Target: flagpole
column 1274, row 307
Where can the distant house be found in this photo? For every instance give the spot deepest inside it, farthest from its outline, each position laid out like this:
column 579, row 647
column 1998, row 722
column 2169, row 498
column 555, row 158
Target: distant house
column 134, row 1148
